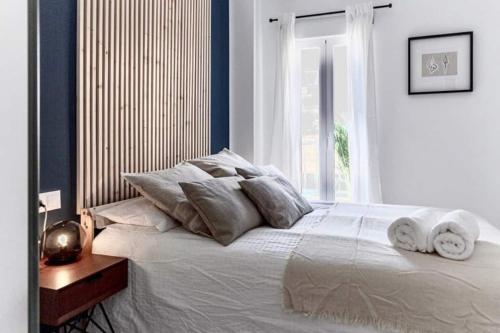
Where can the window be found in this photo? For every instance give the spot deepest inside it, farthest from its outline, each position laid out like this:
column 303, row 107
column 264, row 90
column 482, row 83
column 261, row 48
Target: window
column 323, row 83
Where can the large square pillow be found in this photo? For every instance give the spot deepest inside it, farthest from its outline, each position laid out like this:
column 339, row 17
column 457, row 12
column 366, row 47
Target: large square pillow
column 222, row 164
column 259, row 171
column 225, row 209
column 277, row 200
column 162, row 189
column 138, row 211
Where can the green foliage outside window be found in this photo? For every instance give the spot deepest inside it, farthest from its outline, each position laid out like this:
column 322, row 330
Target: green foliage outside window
column 342, row 147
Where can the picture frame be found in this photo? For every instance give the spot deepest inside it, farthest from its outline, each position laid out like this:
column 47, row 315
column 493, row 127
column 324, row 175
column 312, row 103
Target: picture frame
column 441, row 63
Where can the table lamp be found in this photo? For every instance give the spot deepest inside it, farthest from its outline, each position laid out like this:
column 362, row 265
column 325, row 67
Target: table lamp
column 62, row 242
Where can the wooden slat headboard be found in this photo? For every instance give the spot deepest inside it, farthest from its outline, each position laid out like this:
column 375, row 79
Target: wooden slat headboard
column 143, row 91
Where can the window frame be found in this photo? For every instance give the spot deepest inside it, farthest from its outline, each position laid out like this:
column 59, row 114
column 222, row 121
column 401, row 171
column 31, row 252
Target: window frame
column 327, row 45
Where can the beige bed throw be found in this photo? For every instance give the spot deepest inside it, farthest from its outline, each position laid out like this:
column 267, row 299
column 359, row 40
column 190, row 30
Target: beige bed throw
column 345, row 269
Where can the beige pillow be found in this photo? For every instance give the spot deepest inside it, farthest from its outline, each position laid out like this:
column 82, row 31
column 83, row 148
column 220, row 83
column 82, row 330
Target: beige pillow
column 259, row 171
column 222, row 164
column 225, row 209
column 162, row 188
column 277, row 200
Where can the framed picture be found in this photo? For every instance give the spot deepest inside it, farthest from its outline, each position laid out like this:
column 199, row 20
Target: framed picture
column 440, row 63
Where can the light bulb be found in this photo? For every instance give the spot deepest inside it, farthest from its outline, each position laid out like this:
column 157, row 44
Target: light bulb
column 62, row 240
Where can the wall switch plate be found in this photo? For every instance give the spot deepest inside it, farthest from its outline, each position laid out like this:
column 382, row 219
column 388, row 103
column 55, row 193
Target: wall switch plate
column 51, row 200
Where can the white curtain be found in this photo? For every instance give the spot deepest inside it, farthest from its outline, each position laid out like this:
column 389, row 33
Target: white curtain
column 363, row 138
column 285, row 142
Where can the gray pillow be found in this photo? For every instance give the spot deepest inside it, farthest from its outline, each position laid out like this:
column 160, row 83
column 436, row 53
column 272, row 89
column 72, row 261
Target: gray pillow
column 222, row 164
column 225, row 209
column 277, row 200
column 259, row 171
column 162, row 189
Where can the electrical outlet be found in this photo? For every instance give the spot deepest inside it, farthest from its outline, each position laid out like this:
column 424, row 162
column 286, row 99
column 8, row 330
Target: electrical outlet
column 51, row 200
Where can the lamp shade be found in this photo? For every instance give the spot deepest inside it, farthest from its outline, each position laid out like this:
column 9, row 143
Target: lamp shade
column 63, row 242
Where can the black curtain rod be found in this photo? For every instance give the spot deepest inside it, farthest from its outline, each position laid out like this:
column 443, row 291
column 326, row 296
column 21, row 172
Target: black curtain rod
column 271, row 20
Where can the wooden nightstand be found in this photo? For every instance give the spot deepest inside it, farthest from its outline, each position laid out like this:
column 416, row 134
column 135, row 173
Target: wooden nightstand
column 69, row 294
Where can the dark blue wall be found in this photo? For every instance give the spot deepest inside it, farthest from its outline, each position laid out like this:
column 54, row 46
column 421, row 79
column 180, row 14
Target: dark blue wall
column 58, row 96
column 58, row 103
column 220, row 75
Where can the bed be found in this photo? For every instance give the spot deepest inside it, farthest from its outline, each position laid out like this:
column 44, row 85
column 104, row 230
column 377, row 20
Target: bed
column 181, row 282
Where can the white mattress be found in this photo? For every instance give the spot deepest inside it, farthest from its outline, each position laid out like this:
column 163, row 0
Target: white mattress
column 180, row 282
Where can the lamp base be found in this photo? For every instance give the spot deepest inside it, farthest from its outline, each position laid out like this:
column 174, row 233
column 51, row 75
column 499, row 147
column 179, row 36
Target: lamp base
column 62, row 242
column 61, row 261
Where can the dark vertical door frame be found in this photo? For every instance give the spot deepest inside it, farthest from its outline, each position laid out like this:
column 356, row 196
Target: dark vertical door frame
column 33, row 300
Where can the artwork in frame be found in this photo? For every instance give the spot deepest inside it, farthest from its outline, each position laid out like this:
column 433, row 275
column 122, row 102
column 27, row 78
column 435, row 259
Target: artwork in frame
column 440, row 63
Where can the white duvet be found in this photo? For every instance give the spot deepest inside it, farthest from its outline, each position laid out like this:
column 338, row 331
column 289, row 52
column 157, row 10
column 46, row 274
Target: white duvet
column 180, row 282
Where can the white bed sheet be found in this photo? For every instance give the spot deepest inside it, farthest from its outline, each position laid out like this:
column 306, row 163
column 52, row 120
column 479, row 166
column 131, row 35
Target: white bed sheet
column 181, row 282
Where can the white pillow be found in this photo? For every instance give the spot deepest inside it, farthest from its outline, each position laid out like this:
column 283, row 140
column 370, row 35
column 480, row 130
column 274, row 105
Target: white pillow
column 132, row 228
column 140, row 212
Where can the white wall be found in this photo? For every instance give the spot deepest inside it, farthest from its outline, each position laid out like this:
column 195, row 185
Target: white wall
column 241, row 69
column 438, row 150
column 14, row 166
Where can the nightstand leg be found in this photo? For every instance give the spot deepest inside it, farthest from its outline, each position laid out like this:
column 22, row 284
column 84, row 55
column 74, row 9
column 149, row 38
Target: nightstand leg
column 97, row 325
column 106, row 317
column 87, row 322
column 81, row 322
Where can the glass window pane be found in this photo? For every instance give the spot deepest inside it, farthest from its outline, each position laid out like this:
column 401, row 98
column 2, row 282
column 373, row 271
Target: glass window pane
column 343, row 191
column 310, row 94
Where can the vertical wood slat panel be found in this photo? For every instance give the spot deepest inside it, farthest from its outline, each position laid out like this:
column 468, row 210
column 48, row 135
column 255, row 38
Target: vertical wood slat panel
column 105, row 107
column 117, row 107
column 80, row 101
column 93, row 104
column 135, row 98
column 143, row 91
column 169, row 79
column 112, row 100
column 87, row 96
column 126, row 95
column 206, row 67
column 100, row 103
column 162, row 79
column 142, row 83
column 121, row 109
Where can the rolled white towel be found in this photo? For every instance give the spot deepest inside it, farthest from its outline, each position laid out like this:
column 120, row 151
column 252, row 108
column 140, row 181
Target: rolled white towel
column 411, row 232
column 453, row 237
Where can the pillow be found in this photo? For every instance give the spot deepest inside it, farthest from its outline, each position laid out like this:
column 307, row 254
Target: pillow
column 132, row 228
column 259, row 171
column 139, row 212
column 162, row 188
column 221, row 164
column 226, row 210
column 277, row 200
